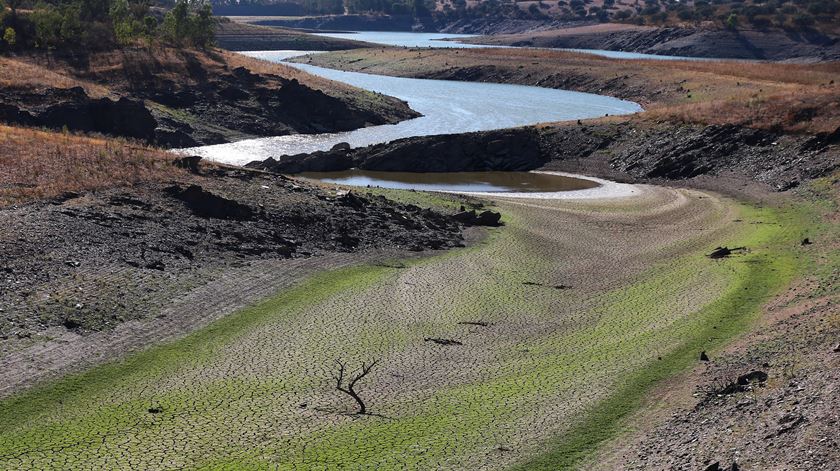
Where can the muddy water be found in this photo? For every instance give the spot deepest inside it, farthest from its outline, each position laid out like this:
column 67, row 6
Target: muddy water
column 482, row 182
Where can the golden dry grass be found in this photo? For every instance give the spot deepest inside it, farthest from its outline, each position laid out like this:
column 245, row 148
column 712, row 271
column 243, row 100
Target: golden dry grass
column 809, row 112
column 23, row 73
column 38, row 164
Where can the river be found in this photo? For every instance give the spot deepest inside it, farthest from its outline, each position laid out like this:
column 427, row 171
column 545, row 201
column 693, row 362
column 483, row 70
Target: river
column 448, row 107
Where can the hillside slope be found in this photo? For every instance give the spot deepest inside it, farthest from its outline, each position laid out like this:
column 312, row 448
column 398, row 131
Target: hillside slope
column 180, row 98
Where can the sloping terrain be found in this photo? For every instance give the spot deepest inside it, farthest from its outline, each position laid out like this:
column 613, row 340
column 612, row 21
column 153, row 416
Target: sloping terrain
column 484, row 354
column 235, row 35
column 101, row 233
column 181, row 98
column 681, row 41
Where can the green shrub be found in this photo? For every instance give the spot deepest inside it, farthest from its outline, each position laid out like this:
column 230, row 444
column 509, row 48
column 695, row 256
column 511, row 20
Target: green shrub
column 10, row 37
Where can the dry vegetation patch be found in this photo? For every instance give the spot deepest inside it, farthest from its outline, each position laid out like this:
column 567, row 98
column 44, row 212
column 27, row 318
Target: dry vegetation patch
column 38, row 164
column 29, row 73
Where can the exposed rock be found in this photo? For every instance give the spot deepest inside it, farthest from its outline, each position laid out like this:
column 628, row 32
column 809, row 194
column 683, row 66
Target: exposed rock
column 161, row 239
column 504, row 150
column 189, row 163
column 206, row 204
column 485, row 218
column 752, row 377
column 74, row 110
column 687, row 41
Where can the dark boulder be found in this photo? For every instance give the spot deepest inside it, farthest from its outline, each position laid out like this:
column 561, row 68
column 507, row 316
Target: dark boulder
column 752, row 377
column 505, row 150
column 189, row 162
column 323, row 161
column 125, row 117
column 485, row 218
column 174, row 138
column 13, row 115
column 354, row 201
column 206, row 204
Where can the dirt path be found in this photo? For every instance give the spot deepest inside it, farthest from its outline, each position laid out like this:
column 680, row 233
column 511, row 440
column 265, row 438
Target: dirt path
column 552, row 315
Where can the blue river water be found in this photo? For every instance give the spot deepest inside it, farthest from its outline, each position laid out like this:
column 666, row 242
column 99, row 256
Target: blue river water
column 448, row 107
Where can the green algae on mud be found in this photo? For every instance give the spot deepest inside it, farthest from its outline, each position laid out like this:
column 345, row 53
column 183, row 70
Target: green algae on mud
column 448, row 423
column 158, row 360
column 769, row 267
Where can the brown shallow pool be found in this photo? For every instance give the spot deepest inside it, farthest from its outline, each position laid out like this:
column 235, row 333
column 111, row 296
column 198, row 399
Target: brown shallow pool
column 491, row 182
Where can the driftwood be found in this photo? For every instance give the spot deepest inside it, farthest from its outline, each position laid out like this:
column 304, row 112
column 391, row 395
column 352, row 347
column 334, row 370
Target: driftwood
column 442, row 341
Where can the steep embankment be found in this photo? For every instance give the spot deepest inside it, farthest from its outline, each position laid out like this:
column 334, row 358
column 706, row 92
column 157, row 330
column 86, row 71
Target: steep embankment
column 775, row 123
column 754, row 44
column 776, row 45
column 652, row 83
column 181, row 98
column 236, row 35
column 637, row 150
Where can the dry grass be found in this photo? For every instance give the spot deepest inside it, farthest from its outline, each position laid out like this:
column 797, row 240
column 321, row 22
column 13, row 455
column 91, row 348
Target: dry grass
column 794, row 112
column 23, row 73
column 113, row 72
column 258, row 66
column 37, row 164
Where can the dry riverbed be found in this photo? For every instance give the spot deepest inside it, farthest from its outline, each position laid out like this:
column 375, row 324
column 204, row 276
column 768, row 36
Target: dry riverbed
column 508, row 352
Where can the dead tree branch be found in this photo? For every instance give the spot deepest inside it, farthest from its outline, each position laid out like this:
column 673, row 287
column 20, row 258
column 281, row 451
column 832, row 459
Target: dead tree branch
column 349, row 389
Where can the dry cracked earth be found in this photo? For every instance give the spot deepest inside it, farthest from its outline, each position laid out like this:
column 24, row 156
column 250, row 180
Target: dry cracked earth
column 484, row 353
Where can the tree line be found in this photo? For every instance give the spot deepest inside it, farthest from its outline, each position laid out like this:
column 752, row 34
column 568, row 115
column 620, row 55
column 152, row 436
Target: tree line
column 103, row 24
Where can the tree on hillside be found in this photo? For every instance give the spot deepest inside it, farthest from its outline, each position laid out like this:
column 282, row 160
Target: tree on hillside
column 190, row 23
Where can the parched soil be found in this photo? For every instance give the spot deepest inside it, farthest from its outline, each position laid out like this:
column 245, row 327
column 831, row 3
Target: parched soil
column 182, row 98
column 89, row 261
column 767, row 401
column 524, row 361
column 676, row 41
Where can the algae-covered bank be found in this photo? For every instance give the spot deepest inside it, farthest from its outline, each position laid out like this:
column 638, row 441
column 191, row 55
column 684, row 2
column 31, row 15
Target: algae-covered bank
column 528, row 349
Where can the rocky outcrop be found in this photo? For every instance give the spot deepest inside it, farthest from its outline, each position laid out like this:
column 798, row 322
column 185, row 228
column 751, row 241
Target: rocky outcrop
column 503, row 150
column 356, row 23
column 209, row 205
column 188, row 99
column 635, row 150
column 781, row 161
column 74, row 110
column 484, row 218
column 158, row 239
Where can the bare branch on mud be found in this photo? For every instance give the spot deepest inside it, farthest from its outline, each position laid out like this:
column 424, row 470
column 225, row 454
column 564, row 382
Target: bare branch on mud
column 349, row 389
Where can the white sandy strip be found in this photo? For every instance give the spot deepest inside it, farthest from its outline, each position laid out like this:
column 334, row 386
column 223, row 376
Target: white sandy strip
column 605, row 189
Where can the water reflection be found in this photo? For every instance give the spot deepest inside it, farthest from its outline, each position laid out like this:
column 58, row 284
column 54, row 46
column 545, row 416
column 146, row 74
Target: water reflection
column 483, row 182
